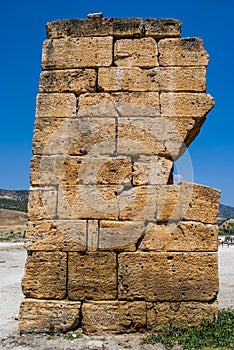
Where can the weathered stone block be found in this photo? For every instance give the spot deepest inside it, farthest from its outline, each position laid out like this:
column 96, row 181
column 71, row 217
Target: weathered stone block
column 128, row 79
column 106, row 170
column 114, row 317
column 168, row 276
column 48, row 315
column 99, row 26
column 88, row 201
column 71, row 80
column 136, row 53
column 137, row 203
column 46, row 170
column 149, row 170
column 67, row 235
column 103, row 170
column 183, row 79
column 44, row 131
column 204, row 203
column 45, row 275
column 77, row 53
column 78, row 136
column 140, row 104
column 189, row 313
column 187, row 236
column 186, row 104
column 182, row 52
column 120, row 235
column 154, row 136
column 56, row 105
column 189, row 202
column 92, row 276
column 160, row 28
column 42, row 203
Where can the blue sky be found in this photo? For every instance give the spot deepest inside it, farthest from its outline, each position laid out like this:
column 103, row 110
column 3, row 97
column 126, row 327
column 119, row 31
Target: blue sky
column 23, row 31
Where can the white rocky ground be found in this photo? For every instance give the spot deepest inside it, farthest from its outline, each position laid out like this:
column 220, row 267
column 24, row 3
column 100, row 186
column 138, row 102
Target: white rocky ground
column 12, row 258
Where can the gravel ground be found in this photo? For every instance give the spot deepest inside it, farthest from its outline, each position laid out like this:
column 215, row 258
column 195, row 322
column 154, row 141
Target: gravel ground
column 12, row 259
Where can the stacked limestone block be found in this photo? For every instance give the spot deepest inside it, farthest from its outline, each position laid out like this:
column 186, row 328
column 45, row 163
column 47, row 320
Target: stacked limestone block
column 113, row 245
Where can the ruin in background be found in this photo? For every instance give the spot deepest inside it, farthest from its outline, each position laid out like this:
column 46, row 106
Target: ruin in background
column 113, row 245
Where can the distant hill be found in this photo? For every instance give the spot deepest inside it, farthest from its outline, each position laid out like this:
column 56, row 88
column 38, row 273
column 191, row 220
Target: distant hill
column 226, row 211
column 12, row 217
column 14, row 200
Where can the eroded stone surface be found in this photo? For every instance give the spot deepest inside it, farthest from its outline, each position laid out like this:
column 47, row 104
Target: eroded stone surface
column 92, row 276
column 72, row 80
column 185, row 236
column 168, row 276
column 135, row 104
column 114, row 317
column 191, row 313
column 56, row 235
column 162, row 27
column 54, row 315
column 45, row 275
column 136, row 53
column 97, row 26
column 120, row 235
column 187, row 201
column 56, row 105
column 88, row 201
column 77, row 53
column 42, row 203
column 149, row 170
column 186, row 104
column 182, row 52
column 74, row 136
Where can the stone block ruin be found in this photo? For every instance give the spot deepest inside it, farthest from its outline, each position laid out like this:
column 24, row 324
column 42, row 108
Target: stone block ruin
column 113, row 245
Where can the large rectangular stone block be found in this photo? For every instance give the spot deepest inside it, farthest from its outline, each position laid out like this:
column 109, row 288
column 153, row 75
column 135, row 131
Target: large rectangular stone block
column 182, row 52
column 95, row 26
column 186, row 104
column 128, row 79
column 189, row 313
column 74, row 136
column 159, row 28
column 48, row 235
column 77, row 53
column 183, row 79
column 45, row 275
column 189, row 202
column 150, row 170
column 120, row 235
column 48, row 315
column 92, row 276
column 187, row 236
column 204, row 203
column 135, row 104
column 88, row 202
column 42, row 203
column 114, row 316
column 56, row 105
column 46, row 170
column 168, row 276
column 155, row 79
column 154, row 136
column 136, row 53
column 70, row 80
column 137, row 203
